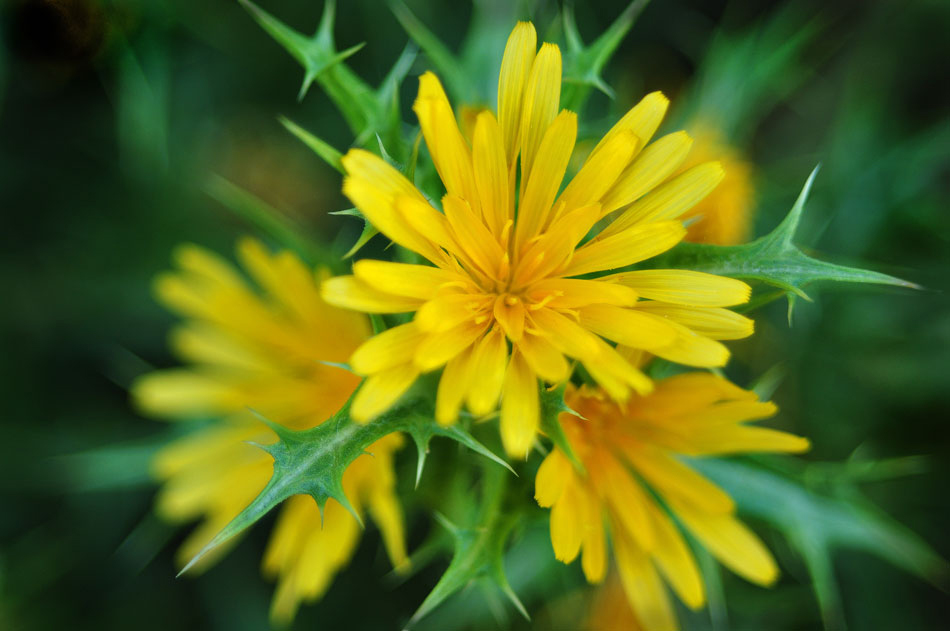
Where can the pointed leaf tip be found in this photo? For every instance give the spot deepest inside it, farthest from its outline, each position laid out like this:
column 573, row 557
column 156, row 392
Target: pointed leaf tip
column 773, row 259
column 323, row 149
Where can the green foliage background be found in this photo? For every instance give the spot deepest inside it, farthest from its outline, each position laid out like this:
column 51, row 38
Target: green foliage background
column 116, row 119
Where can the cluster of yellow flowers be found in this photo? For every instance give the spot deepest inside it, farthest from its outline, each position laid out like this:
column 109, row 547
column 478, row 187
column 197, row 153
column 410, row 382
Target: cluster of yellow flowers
column 516, row 291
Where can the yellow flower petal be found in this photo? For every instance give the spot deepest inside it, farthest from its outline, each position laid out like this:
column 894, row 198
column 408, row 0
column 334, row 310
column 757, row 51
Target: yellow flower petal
column 352, row 293
column 727, row 412
column 454, row 383
column 426, row 220
column 626, row 500
column 403, row 279
column 491, row 171
column 713, row 322
column 380, row 391
column 515, row 68
column 373, row 186
column 566, row 529
column 392, row 347
column 520, row 408
column 571, row 293
column 440, row 347
column 542, row 96
column 730, row 541
column 642, row 120
column 452, row 309
column 549, row 253
column 643, row 587
column 543, row 358
column 510, row 314
column 473, row 237
column 670, row 200
column 627, row 326
column 565, row 334
column 671, row 477
column 692, row 349
column 449, row 151
column 614, row 373
column 675, row 561
column 735, row 439
column 553, row 155
column 202, row 343
column 552, row 478
column 626, row 247
column 685, row 287
column 184, row 393
column 600, row 172
column 488, row 366
column 594, row 560
column 208, row 265
column 654, row 165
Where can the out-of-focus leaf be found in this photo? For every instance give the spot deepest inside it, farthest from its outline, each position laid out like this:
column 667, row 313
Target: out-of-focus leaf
column 583, row 64
column 478, row 548
column 320, row 147
column 142, row 116
column 817, row 525
column 313, row 461
column 447, row 65
column 265, row 217
column 773, row 259
column 734, row 93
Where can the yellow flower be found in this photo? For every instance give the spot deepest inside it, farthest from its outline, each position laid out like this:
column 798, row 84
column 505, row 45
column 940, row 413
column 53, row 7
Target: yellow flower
column 262, row 350
column 510, row 293
column 725, row 216
column 630, row 454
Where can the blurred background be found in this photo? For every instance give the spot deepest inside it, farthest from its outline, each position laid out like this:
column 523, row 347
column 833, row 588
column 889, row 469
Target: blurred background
column 116, row 115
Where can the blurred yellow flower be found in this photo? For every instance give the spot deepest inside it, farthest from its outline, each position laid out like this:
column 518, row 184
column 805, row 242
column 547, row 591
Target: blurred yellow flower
column 510, row 296
column 262, row 350
column 724, row 217
column 630, row 452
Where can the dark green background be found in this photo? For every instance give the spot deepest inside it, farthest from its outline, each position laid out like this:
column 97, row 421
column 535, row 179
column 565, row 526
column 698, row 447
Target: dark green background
column 114, row 114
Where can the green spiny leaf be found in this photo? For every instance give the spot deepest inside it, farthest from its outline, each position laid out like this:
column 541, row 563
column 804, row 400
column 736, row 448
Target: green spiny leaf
column 322, row 63
column 313, row 461
column 817, row 525
column 320, row 147
column 584, row 64
column 773, row 259
column 478, row 548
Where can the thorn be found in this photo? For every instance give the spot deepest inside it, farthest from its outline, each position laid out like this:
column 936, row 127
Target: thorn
column 281, row 431
column 446, row 523
column 344, row 501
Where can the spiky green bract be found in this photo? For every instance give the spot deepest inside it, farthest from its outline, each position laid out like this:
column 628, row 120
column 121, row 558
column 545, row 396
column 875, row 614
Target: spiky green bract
column 552, row 404
column 583, row 64
column 312, row 462
column 773, row 259
column 367, row 111
column 478, row 547
column 817, row 525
